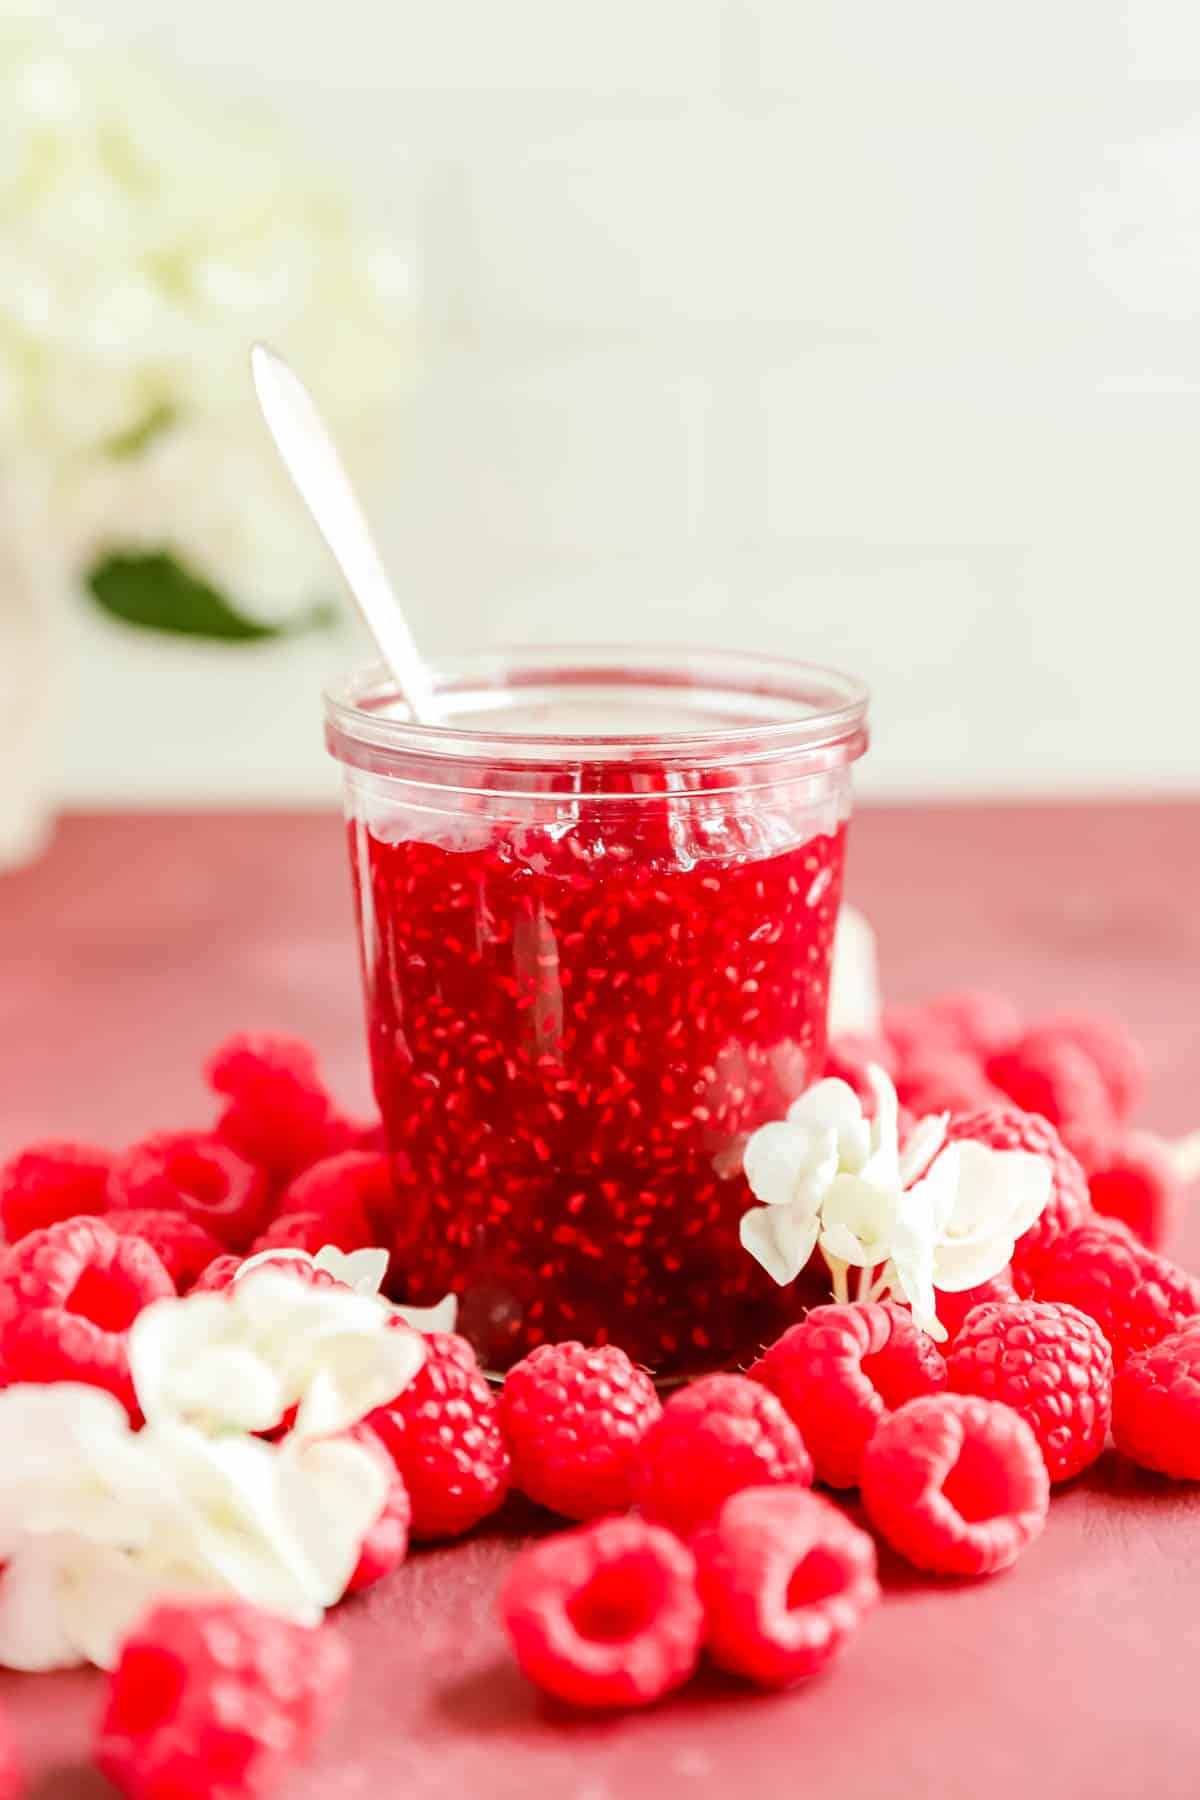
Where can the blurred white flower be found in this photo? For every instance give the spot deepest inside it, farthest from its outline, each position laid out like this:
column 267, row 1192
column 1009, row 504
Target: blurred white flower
column 98, row 1520
column 145, row 240
column 855, row 1002
column 363, row 1271
column 242, row 1359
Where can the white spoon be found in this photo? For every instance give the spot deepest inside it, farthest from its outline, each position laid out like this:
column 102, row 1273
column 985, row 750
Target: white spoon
column 311, row 458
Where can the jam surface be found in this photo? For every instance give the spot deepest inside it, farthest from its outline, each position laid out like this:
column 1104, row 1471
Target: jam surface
column 573, row 1024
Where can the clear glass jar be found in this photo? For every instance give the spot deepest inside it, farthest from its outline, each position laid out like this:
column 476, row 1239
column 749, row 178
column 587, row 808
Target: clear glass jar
column 596, row 910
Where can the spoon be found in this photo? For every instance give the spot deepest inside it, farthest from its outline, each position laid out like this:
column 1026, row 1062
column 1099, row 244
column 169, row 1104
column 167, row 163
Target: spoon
column 311, row 458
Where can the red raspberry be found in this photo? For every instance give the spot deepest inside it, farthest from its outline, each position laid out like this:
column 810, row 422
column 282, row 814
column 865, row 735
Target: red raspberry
column 1113, row 1052
column 68, row 1296
column 953, row 1310
column 218, row 1275
column 184, row 1248
column 1007, row 1128
column 849, row 1057
column 956, row 1484
column 1048, row 1074
column 944, row 1081
column 195, row 1174
column 977, row 1020
column 443, row 1434
column 279, row 1113
column 211, row 1699
column 786, row 1580
column 720, row 1434
column 50, row 1182
column 573, row 1419
column 1156, row 1407
column 299, row 1231
column 1131, row 1177
column 1135, row 1296
column 912, row 1032
column 605, row 1615
column 347, row 1192
column 386, row 1544
column 12, row 1775
column 843, row 1369
column 1051, row 1364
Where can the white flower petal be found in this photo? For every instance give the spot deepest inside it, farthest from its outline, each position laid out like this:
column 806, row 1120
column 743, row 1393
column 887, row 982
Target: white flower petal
column 169, row 1336
column 33, row 1635
column 928, row 1136
column 442, row 1317
column 957, row 1267
column 830, row 1105
column 778, row 1240
column 362, row 1270
column 857, row 1221
column 329, row 1499
column 357, row 1373
column 780, row 1158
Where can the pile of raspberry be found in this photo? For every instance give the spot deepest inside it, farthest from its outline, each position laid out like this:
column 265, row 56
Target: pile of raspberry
column 698, row 1528
column 970, row 1051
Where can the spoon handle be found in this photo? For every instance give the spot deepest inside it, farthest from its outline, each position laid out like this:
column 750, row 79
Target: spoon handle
column 311, row 458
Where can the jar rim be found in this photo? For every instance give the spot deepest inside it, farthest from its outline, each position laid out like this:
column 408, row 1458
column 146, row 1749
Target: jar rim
column 782, row 706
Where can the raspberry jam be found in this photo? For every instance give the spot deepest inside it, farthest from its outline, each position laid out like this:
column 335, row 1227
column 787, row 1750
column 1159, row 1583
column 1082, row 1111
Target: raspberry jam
column 586, row 983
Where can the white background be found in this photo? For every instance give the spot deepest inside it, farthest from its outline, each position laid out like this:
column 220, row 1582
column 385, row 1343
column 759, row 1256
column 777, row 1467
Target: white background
column 861, row 329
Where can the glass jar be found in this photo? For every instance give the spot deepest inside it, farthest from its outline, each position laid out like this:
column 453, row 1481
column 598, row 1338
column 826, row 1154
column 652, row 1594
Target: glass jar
column 596, row 911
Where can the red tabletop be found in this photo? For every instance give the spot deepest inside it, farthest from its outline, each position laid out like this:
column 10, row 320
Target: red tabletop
column 140, row 941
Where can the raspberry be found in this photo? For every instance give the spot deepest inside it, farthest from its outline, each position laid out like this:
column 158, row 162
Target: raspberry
column 218, row 1275
column 605, row 1615
column 278, row 1113
column 195, row 1174
column 720, row 1434
column 1156, row 1407
column 184, row 1248
column 842, row 1370
column 953, row 1310
column 347, row 1191
column 212, row 1698
column 443, row 1434
column 1048, row 1074
column 850, row 1055
column 12, row 1775
column 298, row 1231
column 1131, row 1177
column 1113, row 1052
column 68, row 1296
column 786, row 1579
column 1007, row 1128
column 1135, row 1296
column 976, row 1020
column 50, row 1182
column 944, row 1081
column 956, row 1484
column 1051, row 1364
column 911, row 1032
column 386, row 1544
column 573, row 1419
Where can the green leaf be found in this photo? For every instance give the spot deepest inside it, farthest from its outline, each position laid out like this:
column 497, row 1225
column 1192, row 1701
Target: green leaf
column 158, row 593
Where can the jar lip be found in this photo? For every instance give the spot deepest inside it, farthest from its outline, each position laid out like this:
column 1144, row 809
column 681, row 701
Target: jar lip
column 781, row 705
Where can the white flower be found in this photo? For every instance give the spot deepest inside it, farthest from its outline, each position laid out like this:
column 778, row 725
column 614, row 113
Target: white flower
column 854, row 998
column 240, row 1360
column 828, row 1163
column 363, row 1271
column 959, row 1226
column 98, row 1520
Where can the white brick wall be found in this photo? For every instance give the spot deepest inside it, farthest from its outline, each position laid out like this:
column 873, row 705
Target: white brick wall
column 851, row 328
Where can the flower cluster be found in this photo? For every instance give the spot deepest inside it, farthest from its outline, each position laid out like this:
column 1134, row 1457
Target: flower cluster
column 146, row 242
column 98, row 1519
column 933, row 1215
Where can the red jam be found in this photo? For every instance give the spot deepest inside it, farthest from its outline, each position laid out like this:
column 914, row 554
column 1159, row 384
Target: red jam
column 573, row 1026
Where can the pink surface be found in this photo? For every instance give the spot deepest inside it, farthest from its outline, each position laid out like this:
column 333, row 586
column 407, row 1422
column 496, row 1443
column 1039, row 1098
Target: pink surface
column 139, row 941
